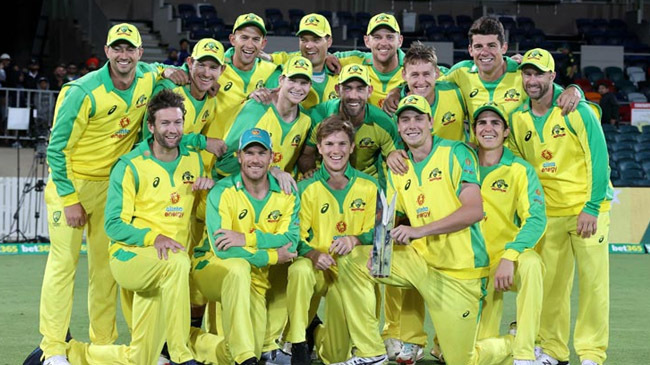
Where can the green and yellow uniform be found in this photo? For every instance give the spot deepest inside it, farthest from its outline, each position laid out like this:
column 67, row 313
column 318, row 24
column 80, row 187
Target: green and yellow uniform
column 515, row 220
column 569, row 154
column 376, row 136
column 325, row 215
column 382, row 83
column 238, row 276
column 94, row 124
column 448, row 270
column 287, row 138
column 448, row 111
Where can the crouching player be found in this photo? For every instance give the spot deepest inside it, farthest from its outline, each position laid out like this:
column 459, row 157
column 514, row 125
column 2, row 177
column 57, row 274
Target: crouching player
column 515, row 220
column 337, row 216
column 250, row 224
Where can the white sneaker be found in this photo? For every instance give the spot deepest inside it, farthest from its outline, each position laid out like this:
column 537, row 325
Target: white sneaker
column 56, row 360
column 547, row 359
column 436, row 353
column 356, row 360
column 589, row 362
column 410, row 354
column 162, row 360
column 538, row 352
column 276, row 357
column 393, row 348
column 525, row 362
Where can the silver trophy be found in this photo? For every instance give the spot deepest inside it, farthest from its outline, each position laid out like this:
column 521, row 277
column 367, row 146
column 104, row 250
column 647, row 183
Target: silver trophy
column 382, row 246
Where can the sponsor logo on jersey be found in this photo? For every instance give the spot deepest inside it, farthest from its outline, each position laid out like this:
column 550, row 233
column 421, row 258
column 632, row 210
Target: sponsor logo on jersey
column 341, row 226
column 435, row 174
column 547, row 155
column 156, row 181
column 420, row 199
column 56, row 218
column 423, row 212
column 358, row 205
column 448, row 118
column 274, row 216
column 558, row 131
column 549, row 167
column 466, row 314
column 142, row 101
column 174, row 211
column 112, row 109
column 188, row 178
column 500, row 185
column 324, row 208
column 175, row 197
column 366, row 142
column 242, row 214
column 228, row 86
column 277, row 157
column 468, row 167
column 528, row 135
column 123, row 131
column 407, row 185
column 473, row 93
column 124, row 122
column 296, row 140
column 511, row 95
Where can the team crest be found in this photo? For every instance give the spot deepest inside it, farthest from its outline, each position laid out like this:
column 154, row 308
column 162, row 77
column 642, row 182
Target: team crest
column 448, row 118
column 358, row 205
column 211, row 47
column 499, row 185
column 558, row 131
column 410, row 100
column 534, row 55
column 383, row 18
column 175, row 197
column 205, row 116
column 341, row 226
column 435, row 174
column 274, row 216
column 355, row 70
column 124, row 30
column 56, row 217
column 366, row 142
column 142, row 101
column 301, row 64
column 252, row 17
column 312, row 21
column 333, row 95
column 511, row 95
column 295, row 142
column 188, row 178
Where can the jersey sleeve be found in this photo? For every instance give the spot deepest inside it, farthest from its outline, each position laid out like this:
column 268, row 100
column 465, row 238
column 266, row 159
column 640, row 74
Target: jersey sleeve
column 73, row 110
column 531, row 211
column 120, row 207
column 281, row 58
column 288, row 229
column 349, row 57
column 591, row 137
column 317, row 114
column 468, row 162
column 389, row 138
column 305, row 215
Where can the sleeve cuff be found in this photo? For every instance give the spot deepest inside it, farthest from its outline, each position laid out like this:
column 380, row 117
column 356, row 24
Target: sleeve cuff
column 590, row 210
column 273, row 256
column 251, row 239
column 70, row 199
column 150, row 238
column 511, row 255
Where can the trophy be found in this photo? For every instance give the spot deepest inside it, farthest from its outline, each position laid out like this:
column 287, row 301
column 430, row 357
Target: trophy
column 382, row 246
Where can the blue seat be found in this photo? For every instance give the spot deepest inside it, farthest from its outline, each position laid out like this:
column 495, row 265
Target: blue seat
column 327, row 14
column 445, row 20
column 617, row 24
column 355, row 31
column 362, row 18
column 645, row 129
column 186, row 10
column 207, row 11
column 345, row 17
column 632, row 174
column 193, row 23
column 625, row 137
column 508, row 22
column 464, row 21
column 584, row 24
column 436, row 34
column 645, row 165
column 628, row 165
column 628, row 129
column 273, row 15
column 425, row 21
column 201, row 33
column 215, row 24
column 525, row 23
column 600, row 23
column 619, row 147
column 614, row 174
column 281, row 28
column 608, row 128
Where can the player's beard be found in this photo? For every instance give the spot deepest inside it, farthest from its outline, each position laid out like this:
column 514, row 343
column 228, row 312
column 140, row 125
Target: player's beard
column 164, row 142
column 353, row 112
column 540, row 93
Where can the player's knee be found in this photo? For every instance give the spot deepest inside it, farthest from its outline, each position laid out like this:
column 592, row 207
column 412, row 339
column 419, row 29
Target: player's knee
column 530, row 263
column 179, row 262
column 300, row 269
column 238, row 269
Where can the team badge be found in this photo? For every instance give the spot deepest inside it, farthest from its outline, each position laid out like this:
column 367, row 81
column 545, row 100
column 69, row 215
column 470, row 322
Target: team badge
column 366, row 142
column 295, row 142
column 435, row 174
column 188, row 178
column 499, row 185
column 56, row 217
column 274, row 216
column 341, row 226
column 259, row 84
column 511, row 95
column 558, row 131
column 358, row 205
column 142, row 101
column 448, row 118
column 175, row 197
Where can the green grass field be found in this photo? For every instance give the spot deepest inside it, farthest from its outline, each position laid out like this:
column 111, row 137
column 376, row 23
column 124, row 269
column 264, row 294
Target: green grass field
column 20, row 283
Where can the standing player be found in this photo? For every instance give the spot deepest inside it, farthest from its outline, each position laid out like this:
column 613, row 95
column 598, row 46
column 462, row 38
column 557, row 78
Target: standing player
column 569, row 154
column 251, row 223
column 375, row 132
column 442, row 254
column 97, row 120
column 337, row 214
column 515, row 220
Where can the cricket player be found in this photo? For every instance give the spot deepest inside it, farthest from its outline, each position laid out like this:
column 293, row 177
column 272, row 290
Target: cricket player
column 251, row 224
column 569, row 154
column 515, row 220
column 337, row 216
column 314, row 39
column 376, row 134
column 442, row 254
column 97, row 119
column 245, row 71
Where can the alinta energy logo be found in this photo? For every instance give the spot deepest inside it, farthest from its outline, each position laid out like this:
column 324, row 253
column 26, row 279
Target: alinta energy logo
column 500, row 185
column 312, row 21
column 448, row 118
column 511, row 95
column 558, row 131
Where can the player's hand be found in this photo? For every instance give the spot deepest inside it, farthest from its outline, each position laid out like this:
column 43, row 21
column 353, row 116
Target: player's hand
column 216, row 146
column 309, row 174
column 320, row 260
column 343, row 245
column 404, row 234
column 569, row 100
column 285, row 180
column 225, row 239
column 333, row 64
column 177, row 76
column 391, row 101
column 396, row 162
column 504, row 276
column 517, row 58
column 265, row 56
column 75, row 215
column 587, row 225
column 284, row 255
column 164, row 244
column 263, row 95
column 203, row 183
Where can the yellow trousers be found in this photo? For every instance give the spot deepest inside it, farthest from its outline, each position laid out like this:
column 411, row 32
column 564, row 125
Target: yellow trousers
column 404, row 315
column 58, row 279
column 241, row 289
column 276, row 307
column 562, row 249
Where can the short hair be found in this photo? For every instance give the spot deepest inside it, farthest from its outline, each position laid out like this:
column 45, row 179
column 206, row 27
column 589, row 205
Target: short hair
column 333, row 124
column 487, row 25
column 163, row 100
column 419, row 52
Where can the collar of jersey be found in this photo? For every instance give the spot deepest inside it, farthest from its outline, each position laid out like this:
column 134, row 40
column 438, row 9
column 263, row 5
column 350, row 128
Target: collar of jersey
column 324, row 175
column 511, row 65
column 273, row 184
column 106, row 76
column 147, row 153
column 434, row 146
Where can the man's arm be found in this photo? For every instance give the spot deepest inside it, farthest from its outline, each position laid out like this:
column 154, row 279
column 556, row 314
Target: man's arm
column 288, row 229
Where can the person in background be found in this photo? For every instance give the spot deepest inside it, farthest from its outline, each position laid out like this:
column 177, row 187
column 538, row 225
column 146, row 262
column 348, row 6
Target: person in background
column 58, row 77
column 608, row 104
column 72, row 72
column 567, row 67
column 172, row 57
column 32, row 75
column 184, row 50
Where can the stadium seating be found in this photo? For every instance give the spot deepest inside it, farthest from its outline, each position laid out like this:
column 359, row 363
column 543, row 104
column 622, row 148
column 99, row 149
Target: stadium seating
column 426, row 21
column 186, row 11
column 207, row 11
column 445, row 21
